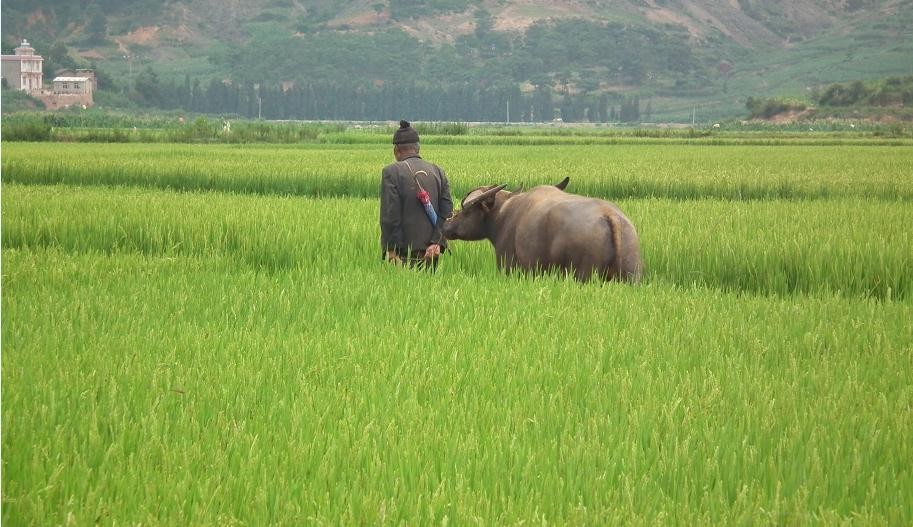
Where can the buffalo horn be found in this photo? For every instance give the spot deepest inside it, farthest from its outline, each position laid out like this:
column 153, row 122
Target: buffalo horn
column 563, row 183
column 483, row 196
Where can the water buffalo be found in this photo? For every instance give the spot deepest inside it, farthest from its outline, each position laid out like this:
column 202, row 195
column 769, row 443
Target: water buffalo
column 546, row 228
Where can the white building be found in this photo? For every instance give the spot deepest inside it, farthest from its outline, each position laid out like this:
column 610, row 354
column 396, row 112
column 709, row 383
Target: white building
column 79, row 72
column 72, row 85
column 23, row 71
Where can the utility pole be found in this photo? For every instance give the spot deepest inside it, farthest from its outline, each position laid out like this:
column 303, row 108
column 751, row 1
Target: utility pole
column 693, row 112
column 259, row 107
column 508, row 110
column 129, row 59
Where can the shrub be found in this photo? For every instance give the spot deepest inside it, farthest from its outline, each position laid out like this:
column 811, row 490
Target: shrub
column 26, row 127
column 441, row 128
column 767, row 107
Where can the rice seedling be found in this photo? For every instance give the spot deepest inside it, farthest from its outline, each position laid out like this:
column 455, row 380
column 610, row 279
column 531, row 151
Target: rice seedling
column 614, row 172
column 206, row 335
column 850, row 246
column 194, row 389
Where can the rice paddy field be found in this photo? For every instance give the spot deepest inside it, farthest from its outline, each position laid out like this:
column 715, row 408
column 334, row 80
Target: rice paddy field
column 206, row 335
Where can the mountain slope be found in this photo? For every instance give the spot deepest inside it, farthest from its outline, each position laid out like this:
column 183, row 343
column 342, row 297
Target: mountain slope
column 677, row 53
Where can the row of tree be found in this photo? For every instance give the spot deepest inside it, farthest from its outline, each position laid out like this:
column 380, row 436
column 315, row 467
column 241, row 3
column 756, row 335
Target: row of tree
column 893, row 91
column 384, row 101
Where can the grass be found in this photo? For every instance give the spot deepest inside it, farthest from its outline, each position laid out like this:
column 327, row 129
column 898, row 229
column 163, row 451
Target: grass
column 231, row 349
column 615, row 172
column 175, row 127
column 852, row 247
column 226, row 395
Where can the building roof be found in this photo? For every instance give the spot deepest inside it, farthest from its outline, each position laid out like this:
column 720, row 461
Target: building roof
column 23, row 52
column 71, row 79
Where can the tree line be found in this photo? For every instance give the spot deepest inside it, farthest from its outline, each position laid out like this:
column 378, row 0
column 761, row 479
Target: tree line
column 383, row 101
column 893, row 92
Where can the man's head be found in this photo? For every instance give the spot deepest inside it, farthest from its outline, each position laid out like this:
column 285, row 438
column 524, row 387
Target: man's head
column 405, row 141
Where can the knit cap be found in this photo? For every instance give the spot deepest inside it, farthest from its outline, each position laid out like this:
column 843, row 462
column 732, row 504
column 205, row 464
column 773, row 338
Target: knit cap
column 405, row 135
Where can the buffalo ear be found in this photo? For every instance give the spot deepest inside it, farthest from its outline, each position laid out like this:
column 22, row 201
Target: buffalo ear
column 563, row 183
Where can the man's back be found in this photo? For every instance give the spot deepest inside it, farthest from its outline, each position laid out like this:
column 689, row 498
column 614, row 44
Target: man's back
column 405, row 224
column 408, row 231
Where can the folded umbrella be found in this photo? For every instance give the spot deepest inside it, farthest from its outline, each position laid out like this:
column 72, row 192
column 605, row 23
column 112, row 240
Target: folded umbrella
column 425, row 200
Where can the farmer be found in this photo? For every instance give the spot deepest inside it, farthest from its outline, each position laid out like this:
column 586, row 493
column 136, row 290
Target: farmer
column 414, row 203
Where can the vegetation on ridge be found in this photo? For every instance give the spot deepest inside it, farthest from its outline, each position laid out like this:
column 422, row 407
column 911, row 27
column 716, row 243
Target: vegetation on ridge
column 175, row 54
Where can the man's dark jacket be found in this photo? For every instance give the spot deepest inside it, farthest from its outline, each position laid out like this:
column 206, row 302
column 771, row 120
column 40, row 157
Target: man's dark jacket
column 404, row 224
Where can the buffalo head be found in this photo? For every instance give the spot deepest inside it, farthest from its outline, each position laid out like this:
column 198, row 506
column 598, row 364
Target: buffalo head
column 469, row 223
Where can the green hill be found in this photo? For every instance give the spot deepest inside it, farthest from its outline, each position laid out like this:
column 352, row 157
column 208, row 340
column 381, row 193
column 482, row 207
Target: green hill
column 589, row 58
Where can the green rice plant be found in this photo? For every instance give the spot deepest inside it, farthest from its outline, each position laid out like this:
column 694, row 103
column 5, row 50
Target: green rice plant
column 851, row 247
column 141, row 388
column 206, row 335
column 640, row 137
column 273, row 170
column 31, row 128
column 176, row 127
column 279, row 233
column 613, row 172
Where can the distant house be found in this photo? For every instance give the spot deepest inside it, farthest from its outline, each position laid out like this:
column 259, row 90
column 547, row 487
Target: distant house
column 24, row 70
column 69, row 91
column 72, row 86
column 79, row 72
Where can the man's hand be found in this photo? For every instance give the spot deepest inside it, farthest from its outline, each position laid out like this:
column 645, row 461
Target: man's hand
column 433, row 251
column 393, row 257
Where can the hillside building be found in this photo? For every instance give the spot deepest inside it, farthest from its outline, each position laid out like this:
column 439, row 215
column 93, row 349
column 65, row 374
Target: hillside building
column 79, row 72
column 72, row 86
column 24, row 70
